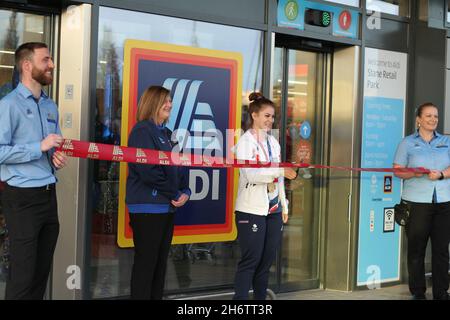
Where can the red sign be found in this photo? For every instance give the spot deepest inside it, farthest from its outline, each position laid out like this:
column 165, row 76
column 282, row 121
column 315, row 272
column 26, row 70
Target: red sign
column 304, row 152
column 345, row 20
column 299, row 70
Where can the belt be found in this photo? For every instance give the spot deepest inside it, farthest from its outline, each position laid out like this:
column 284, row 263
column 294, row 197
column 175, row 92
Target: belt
column 47, row 187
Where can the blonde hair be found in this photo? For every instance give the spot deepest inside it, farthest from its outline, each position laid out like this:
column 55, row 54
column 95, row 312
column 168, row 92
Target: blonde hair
column 150, row 102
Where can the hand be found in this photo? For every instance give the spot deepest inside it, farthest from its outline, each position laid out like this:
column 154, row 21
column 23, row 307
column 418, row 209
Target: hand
column 59, row 159
column 51, row 141
column 285, row 217
column 290, row 173
column 434, row 175
column 405, row 174
column 181, row 200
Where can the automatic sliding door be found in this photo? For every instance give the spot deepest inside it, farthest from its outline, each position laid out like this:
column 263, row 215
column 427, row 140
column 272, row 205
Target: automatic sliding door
column 298, row 92
column 17, row 28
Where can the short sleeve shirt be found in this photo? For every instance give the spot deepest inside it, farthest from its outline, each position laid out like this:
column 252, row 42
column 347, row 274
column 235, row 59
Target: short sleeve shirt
column 413, row 151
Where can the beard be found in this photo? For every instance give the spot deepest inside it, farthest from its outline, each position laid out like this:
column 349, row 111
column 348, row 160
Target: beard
column 41, row 76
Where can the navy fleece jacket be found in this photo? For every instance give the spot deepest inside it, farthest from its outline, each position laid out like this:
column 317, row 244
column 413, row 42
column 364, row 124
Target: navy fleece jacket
column 151, row 188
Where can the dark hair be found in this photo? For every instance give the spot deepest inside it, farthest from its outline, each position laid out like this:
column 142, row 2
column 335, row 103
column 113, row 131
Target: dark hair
column 257, row 101
column 423, row 106
column 25, row 52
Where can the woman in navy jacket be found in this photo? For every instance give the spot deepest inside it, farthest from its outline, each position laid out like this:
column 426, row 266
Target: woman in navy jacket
column 153, row 194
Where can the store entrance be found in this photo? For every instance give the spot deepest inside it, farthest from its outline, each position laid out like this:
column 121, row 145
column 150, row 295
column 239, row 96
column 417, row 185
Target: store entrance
column 17, row 27
column 299, row 89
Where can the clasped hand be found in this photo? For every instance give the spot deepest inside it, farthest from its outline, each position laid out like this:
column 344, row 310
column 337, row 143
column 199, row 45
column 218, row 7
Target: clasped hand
column 181, row 200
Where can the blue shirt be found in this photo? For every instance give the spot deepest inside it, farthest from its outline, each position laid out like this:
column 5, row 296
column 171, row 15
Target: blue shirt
column 413, row 151
column 24, row 123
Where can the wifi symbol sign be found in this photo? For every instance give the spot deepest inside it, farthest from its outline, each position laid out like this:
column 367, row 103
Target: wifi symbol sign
column 389, row 224
column 389, row 214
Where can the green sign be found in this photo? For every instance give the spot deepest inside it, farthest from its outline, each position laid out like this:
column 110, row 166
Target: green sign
column 291, row 10
column 326, row 18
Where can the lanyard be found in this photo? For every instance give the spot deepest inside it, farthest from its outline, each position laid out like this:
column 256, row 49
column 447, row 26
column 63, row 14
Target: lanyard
column 269, row 157
column 270, row 150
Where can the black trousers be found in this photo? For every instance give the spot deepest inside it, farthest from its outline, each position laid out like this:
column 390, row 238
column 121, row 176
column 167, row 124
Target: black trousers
column 429, row 220
column 152, row 236
column 259, row 238
column 32, row 220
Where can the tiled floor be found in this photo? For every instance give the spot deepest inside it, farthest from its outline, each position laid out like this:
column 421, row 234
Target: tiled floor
column 397, row 292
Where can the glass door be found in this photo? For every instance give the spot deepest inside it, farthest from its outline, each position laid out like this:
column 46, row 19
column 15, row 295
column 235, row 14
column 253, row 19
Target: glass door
column 298, row 91
column 17, row 28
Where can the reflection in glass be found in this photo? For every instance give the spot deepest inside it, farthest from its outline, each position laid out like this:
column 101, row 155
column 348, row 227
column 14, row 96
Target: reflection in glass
column 277, row 84
column 423, row 10
column 17, row 28
column 190, row 266
column 354, row 3
column 302, row 94
column 394, row 7
column 299, row 247
column 448, row 11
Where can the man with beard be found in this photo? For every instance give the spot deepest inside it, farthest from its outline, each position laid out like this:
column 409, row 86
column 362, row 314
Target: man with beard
column 29, row 132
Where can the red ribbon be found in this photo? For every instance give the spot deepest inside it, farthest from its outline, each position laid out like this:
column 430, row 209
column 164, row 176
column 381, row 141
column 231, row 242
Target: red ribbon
column 108, row 152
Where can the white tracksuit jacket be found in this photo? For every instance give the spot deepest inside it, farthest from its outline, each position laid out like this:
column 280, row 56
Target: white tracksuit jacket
column 252, row 194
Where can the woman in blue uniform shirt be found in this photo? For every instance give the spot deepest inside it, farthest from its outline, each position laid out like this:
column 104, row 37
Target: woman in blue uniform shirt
column 429, row 196
column 153, row 194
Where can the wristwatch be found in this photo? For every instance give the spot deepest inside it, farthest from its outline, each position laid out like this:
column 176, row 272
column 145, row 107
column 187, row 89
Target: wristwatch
column 442, row 176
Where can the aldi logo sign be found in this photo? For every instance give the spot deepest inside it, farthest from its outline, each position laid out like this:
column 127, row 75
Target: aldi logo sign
column 197, row 117
column 206, row 101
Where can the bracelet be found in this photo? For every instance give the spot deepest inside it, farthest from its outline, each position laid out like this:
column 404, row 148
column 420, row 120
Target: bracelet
column 442, row 176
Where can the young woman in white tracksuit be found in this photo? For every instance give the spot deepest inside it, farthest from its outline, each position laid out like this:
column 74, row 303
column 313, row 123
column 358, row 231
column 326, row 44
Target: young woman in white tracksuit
column 261, row 206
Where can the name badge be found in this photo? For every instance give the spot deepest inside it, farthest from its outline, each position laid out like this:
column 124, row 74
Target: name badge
column 51, row 118
column 30, row 114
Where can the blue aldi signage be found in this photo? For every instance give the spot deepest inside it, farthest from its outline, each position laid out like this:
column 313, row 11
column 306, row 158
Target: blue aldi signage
column 206, row 92
column 291, row 14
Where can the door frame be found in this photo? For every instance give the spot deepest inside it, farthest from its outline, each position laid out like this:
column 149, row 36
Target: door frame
column 52, row 41
column 286, row 43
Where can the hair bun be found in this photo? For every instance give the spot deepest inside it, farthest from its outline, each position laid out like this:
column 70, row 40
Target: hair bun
column 255, row 96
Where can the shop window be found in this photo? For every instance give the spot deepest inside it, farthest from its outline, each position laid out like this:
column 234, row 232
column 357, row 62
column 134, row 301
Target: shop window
column 353, row 3
column 448, row 12
column 17, row 28
column 193, row 265
column 393, row 7
column 423, row 10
